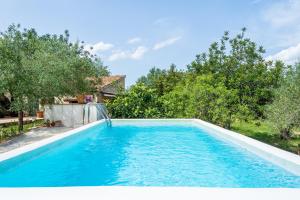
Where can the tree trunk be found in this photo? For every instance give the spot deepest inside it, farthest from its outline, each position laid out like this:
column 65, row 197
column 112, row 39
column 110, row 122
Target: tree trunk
column 285, row 134
column 20, row 122
column 227, row 124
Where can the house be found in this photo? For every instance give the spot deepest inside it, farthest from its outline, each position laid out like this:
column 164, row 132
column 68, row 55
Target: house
column 109, row 86
column 106, row 88
column 71, row 110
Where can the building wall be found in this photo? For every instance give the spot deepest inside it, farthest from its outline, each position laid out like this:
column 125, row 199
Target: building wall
column 71, row 115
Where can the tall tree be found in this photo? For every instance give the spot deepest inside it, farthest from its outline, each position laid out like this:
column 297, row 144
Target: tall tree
column 284, row 112
column 239, row 63
column 101, row 70
column 16, row 49
column 163, row 81
column 37, row 67
column 232, row 80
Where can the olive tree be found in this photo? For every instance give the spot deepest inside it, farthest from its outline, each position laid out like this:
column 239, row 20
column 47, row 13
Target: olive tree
column 284, row 112
column 37, row 67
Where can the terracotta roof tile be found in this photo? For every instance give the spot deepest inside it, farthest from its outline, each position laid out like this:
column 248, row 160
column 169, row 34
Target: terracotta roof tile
column 107, row 80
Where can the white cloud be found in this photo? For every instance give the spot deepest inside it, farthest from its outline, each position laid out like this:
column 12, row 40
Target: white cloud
column 289, row 55
column 117, row 55
column 166, row 43
column 283, row 13
column 98, row 47
column 138, row 53
column 134, row 40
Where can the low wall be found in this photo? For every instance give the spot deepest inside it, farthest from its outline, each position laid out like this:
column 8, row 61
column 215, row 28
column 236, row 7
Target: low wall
column 71, row 115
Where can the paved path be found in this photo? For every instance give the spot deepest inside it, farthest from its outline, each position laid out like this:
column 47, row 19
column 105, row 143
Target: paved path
column 15, row 119
column 34, row 135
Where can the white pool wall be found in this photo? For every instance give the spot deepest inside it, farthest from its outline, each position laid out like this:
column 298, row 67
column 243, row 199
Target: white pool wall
column 30, row 147
column 71, row 115
column 284, row 159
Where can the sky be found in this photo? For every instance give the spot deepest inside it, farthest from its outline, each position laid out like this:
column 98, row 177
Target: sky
column 132, row 36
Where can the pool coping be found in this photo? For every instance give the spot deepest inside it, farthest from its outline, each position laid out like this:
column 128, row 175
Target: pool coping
column 282, row 158
column 32, row 146
column 148, row 193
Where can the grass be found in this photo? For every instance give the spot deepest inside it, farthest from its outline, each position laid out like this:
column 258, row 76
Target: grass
column 265, row 133
column 11, row 130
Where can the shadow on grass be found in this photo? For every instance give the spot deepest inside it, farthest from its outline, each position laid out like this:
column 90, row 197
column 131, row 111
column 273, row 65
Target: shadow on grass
column 265, row 133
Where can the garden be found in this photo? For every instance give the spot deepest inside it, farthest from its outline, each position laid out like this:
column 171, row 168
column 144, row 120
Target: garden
column 231, row 85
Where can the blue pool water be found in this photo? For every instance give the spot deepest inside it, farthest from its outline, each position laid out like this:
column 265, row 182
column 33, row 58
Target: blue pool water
column 137, row 154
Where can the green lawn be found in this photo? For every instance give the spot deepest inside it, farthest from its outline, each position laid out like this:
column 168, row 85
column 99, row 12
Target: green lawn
column 265, row 133
column 9, row 131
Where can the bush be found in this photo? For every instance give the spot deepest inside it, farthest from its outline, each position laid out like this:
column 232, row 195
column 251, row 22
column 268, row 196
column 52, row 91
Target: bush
column 201, row 98
column 284, row 112
column 139, row 101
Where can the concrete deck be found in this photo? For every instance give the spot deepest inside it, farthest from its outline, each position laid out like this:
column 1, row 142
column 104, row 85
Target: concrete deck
column 148, row 193
column 8, row 120
column 32, row 136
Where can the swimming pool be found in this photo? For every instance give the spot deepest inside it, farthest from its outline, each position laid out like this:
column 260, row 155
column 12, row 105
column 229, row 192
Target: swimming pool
column 144, row 153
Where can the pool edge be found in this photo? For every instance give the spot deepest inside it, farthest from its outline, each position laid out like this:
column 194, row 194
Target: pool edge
column 282, row 158
column 30, row 147
column 137, row 193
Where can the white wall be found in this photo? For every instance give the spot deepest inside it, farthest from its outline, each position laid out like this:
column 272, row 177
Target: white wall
column 71, row 115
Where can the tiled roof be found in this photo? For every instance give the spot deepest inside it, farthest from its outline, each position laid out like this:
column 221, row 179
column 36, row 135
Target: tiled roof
column 107, row 80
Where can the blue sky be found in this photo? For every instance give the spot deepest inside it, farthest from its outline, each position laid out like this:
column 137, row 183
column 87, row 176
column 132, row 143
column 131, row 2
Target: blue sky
column 133, row 36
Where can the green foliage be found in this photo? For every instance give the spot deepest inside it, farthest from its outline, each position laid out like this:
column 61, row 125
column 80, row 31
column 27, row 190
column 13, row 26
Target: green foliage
column 8, row 131
column 17, row 47
column 202, row 98
column 284, row 112
column 143, row 99
column 138, row 102
column 100, row 69
column 37, row 67
column 239, row 64
column 231, row 81
column 163, row 81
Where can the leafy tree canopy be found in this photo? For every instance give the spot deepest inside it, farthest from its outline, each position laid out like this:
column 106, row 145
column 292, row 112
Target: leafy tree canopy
column 35, row 67
column 239, row 63
column 284, row 112
column 228, row 82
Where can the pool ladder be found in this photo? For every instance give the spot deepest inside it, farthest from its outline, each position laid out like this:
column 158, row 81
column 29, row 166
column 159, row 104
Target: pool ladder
column 102, row 113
